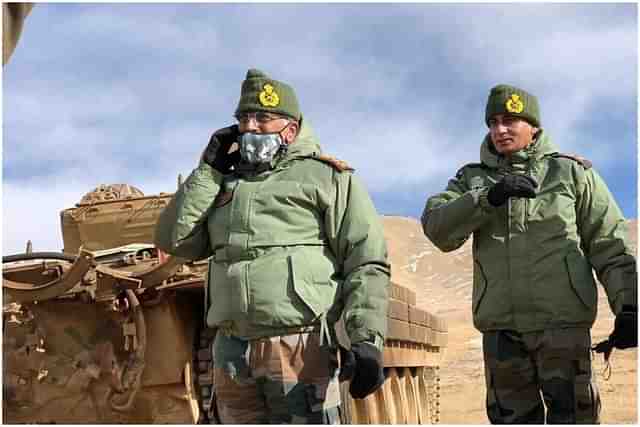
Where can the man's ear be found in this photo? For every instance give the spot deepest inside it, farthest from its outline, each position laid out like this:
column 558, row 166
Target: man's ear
column 291, row 132
column 534, row 132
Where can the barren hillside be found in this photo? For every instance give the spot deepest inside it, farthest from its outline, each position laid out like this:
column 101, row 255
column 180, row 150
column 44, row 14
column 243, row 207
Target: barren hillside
column 443, row 286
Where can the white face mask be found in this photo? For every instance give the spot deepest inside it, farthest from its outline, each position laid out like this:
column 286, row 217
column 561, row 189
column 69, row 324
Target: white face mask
column 258, row 148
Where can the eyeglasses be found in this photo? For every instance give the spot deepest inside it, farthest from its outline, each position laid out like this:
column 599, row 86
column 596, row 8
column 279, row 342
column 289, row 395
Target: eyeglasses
column 259, row 116
column 507, row 121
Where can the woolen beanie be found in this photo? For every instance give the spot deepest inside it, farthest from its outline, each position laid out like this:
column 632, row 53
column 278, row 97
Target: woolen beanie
column 261, row 93
column 505, row 99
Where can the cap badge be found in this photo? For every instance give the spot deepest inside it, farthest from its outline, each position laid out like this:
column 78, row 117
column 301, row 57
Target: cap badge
column 514, row 104
column 269, row 97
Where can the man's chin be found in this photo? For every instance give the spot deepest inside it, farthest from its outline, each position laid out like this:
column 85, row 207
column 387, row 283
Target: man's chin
column 505, row 149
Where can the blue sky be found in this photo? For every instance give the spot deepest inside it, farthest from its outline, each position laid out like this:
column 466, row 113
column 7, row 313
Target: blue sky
column 129, row 93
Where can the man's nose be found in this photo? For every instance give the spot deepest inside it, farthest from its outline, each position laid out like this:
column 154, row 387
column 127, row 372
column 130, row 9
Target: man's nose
column 501, row 128
column 250, row 125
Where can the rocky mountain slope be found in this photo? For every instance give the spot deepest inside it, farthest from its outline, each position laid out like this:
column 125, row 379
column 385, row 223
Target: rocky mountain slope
column 442, row 282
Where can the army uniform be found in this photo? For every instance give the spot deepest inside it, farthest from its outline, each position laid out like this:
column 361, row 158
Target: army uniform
column 534, row 296
column 293, row 247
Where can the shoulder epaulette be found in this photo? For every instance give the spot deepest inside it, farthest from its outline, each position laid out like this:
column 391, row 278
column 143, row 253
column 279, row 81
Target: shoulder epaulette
column 470, row 165
column 337, row 164
column 584, row 162
column 475, row 165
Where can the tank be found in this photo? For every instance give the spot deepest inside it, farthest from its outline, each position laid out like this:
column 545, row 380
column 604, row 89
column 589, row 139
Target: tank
column 111, row 330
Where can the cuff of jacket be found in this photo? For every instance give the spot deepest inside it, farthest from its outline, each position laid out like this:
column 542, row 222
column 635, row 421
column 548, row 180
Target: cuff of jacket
column 480, row 198
column 368, row 336
column 626, row 298
column 622, row 289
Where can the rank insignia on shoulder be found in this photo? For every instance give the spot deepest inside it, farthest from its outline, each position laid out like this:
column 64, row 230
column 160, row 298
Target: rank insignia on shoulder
column 460, row 172
column 338, row 164
column 514, row 104
column 583, row 161
column 269, row 97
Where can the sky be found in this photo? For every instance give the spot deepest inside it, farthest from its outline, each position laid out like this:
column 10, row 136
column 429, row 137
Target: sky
column 130, row 93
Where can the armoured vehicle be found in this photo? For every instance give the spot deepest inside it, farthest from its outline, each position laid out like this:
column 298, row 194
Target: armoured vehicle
column 111, row 330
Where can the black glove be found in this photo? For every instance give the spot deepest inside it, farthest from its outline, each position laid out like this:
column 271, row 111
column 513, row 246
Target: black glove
column 363, row 365
column 512, row 186
column 347, row 364
column 625, row 330
column 217, row 153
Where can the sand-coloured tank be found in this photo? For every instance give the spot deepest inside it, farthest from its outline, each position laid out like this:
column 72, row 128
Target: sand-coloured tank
column 111, row 330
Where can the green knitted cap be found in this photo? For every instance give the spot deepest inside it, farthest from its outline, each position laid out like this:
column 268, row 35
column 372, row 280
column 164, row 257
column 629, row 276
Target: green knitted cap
column 261, row 93
column 505, row 99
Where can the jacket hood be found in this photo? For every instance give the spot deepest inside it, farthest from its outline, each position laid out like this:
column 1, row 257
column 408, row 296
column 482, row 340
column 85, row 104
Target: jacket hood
column 539, row 148
column 305, row 145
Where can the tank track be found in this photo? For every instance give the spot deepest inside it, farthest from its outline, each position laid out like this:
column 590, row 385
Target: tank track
column 203, row 378
column 432, row 377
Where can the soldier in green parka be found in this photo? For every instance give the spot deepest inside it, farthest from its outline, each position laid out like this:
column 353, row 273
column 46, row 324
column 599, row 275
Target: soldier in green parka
column 541, row 222
column 294, row 243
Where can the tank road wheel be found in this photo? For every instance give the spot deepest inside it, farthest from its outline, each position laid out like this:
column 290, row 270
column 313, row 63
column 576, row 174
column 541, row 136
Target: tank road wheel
column 421, row 395
column 348, row 413
column 388, row 398
column 410, row 393
column 192, row 396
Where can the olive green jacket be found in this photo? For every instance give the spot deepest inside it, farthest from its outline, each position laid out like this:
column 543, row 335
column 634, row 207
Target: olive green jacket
column 533, row 258
column 292, row 247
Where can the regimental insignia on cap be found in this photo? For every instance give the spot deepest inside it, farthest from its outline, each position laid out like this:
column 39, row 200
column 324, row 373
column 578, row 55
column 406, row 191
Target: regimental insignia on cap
column 269, row 97
column 514, row 104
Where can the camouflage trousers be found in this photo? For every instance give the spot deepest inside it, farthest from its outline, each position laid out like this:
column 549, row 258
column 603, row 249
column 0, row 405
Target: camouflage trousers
column 526, row 373
column 288, row 379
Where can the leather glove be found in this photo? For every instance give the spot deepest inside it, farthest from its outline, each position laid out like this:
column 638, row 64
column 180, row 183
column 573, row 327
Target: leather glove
column 512, row 186
column 217, row 153
column 625, row 330
column 363, row 365
column 347, row 364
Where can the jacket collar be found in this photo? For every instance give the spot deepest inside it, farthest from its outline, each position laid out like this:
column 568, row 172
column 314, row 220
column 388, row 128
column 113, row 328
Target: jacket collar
column 539, row 148
column 305, row 145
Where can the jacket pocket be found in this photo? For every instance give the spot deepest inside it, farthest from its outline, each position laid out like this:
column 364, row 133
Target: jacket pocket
column 479, row 286
column 581, row 278
column 283, row 291
column 228, row 289
column 312, row 281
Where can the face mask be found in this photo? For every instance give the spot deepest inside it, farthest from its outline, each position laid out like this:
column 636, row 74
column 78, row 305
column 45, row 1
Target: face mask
column 259, row 147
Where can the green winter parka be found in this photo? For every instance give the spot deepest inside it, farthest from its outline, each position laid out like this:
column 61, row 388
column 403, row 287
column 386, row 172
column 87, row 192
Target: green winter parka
column 290, row 247
column 533, row 258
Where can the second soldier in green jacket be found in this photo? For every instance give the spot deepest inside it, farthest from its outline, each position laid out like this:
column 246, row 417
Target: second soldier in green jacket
column 541, row 221
column 295, row 242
